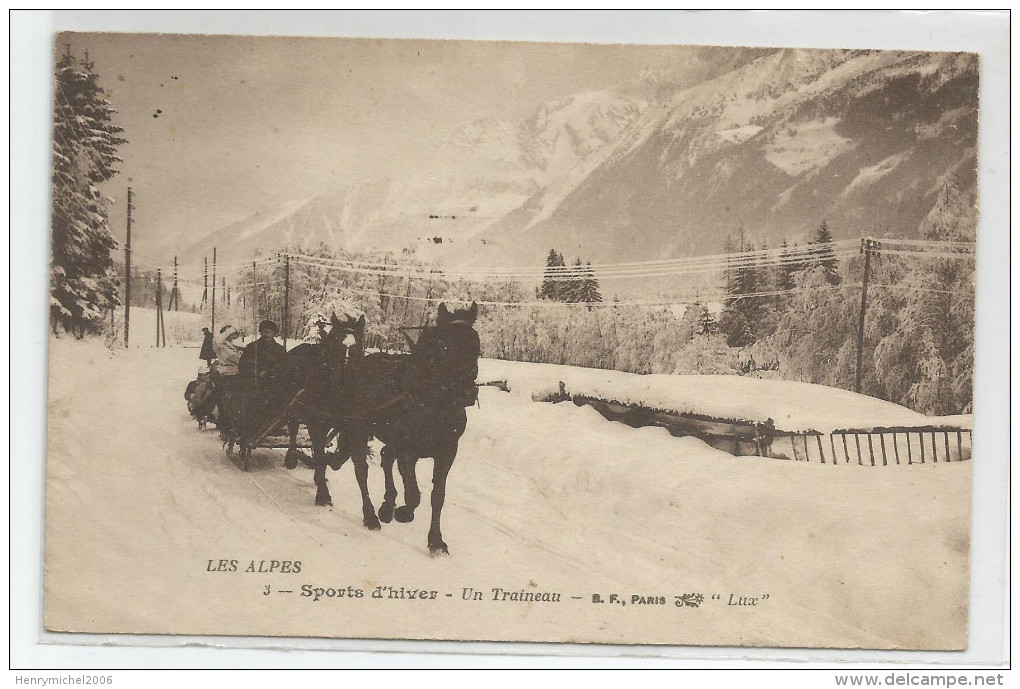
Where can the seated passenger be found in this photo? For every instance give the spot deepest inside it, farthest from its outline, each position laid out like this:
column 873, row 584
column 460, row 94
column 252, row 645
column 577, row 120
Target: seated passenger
column 228, row 357
column 263, row 368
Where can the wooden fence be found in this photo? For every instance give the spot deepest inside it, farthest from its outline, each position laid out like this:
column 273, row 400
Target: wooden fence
column 878, row 446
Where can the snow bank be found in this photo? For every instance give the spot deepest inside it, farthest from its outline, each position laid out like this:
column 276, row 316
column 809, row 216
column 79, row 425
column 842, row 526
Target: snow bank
column 541, row 497
column 793, row 406
column 964, row 421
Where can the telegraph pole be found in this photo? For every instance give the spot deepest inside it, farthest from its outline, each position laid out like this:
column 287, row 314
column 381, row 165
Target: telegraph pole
column 127, row 273
column 213, row 300
column 160, row 330
column 174, row 299
column 205, row 280
column 867, row 246
column 254, row 298
column 286, row 296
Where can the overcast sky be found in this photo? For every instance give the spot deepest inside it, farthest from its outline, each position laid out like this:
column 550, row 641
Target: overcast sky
column 221, row 127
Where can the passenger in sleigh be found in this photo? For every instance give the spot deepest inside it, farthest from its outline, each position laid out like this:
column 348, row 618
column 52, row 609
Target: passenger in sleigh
column 224, row 366
column 264, row 372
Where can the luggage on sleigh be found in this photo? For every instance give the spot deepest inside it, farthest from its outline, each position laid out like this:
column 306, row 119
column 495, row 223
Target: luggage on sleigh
column 201, row 395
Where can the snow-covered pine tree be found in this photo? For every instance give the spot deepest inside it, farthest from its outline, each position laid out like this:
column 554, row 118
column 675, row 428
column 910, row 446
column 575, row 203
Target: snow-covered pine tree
column 701, row 319
column 572, row 287
column 742, row 314
column 787, row 267
column 823, row 254
column 589, row 292
column 83, row 283
column 552, row 282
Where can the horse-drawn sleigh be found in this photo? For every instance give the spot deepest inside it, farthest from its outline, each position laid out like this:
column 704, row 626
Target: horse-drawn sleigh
column 414, row 404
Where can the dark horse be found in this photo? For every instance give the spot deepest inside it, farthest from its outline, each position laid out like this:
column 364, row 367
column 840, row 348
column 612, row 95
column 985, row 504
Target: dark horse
column 321, row 401
column 415, row 404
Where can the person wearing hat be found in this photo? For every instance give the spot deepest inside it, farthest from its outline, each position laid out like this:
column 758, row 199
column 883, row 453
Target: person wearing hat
column 207, row 354
column 264, row 357
column 228, row 357
column 227, row 350
column 263, row 369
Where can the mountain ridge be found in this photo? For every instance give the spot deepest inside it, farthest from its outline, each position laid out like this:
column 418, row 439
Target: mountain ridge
column 669, row 164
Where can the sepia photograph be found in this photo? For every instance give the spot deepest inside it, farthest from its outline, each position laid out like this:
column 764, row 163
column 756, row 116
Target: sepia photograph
column 512, row 341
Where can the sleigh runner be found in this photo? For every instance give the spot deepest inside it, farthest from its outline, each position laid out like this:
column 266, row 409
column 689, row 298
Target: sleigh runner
column 272, row 431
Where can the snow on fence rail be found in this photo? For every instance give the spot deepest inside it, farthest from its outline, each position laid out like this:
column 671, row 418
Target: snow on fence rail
column 876, row 446
column 747, row 416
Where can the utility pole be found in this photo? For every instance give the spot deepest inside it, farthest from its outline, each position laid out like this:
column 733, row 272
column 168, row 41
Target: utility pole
column 286, row 296
column 867, row 246
column 127, row 273
column 174, row 298
column 205, row 280
column 160, row 330
column 254, row 298
column 213, row 300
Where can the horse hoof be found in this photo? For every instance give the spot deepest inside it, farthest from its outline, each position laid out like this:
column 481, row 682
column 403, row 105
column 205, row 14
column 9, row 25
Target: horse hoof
column 323, row 499
column 372, row 524
column 438, row 549
column 291, row 460
column 386, row 513
column 404, row 514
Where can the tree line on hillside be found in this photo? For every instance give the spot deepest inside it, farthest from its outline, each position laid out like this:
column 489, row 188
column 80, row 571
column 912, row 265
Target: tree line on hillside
column 796, row 320
column 918, row 344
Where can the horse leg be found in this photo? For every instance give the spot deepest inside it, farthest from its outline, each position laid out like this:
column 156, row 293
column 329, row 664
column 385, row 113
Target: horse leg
column 318, row 437
column 389, row 497
column 293, row 453
column 440, row 470
column 359, row 456
column 412, row 496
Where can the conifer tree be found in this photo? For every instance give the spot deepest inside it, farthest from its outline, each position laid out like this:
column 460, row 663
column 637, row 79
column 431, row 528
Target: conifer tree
column 83, row 284
column 743, row 316
column 787, row 267
column 823, row 255
column 589, row 292
column 572, row 287
column 552, row 282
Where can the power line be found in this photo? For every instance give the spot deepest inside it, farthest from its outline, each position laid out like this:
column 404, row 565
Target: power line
column 700, row 265
column 553, row 304
column 658, row 267
column 576, row 272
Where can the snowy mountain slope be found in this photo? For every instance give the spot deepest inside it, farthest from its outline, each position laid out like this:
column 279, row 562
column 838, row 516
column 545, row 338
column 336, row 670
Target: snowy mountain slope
column 486, row 173
column 669, row 164
column 541, row 498
column 860, row 138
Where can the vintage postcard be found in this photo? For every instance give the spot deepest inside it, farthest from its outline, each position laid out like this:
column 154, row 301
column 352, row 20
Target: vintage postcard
column 453, row 340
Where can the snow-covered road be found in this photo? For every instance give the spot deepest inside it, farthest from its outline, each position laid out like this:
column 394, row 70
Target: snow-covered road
column 542, row 498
